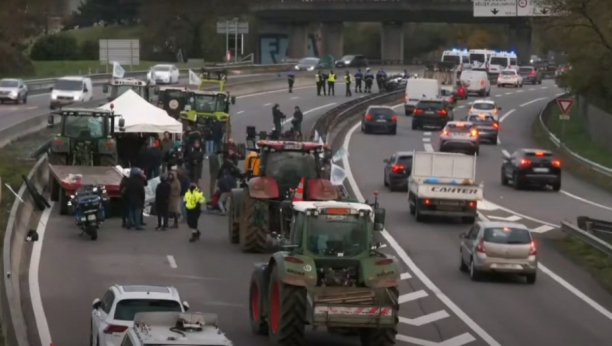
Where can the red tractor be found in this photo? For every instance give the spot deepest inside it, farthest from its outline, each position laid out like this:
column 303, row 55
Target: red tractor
column 255, row 211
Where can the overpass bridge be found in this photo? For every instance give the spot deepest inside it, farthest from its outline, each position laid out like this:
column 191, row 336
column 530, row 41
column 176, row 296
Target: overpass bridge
column 308, row 27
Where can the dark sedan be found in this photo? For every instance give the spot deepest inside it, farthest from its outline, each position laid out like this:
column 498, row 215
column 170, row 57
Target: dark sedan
column 352, row 61
column 379, row 119
column 397, row 170
column 531, row 167
column 530, row 75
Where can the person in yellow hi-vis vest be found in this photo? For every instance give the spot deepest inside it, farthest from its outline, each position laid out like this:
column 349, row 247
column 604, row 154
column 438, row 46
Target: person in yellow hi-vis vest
column 251, row 163
column 347, row 80
column 331, row 81
column 193, row 203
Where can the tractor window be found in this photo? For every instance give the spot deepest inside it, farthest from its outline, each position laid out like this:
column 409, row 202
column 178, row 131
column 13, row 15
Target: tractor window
column 297, row 228
column 337, row 235
column 288, row 167
column 117, row 91
column 208, row 103
column 85, row 127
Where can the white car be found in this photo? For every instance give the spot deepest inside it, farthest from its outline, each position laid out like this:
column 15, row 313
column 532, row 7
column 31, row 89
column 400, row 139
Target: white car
column 484, row 108
column 509, row 77
column 164, row 74
column 112, row 316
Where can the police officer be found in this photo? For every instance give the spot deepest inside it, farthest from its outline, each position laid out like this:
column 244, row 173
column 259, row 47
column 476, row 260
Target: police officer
column 331, row 82
column 381, row 75
column 369, row 79
column 358, row 79
column 193, row 201
column 291, row 79
column 320, row 79
column 347, row 80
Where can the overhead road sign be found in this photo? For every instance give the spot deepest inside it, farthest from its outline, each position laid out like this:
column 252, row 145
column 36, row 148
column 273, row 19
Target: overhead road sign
column 531, row 8
column 495, row 8
column 229, row 27
column 565, row 105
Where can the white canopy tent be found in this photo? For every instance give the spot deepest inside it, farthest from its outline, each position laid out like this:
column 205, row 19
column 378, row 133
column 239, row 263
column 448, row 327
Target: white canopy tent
column 141, row 116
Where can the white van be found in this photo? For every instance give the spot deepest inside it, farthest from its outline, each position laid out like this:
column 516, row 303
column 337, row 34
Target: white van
column 476, row 82
column 417, row 89
column 68, row 90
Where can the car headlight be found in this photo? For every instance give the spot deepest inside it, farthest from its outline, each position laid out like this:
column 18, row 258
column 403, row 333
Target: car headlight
column 311, row 68
column 297, row 67
column 347, row 62
column 13, row 94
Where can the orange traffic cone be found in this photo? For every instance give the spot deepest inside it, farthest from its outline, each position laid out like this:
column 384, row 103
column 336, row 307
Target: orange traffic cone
column 298, row 196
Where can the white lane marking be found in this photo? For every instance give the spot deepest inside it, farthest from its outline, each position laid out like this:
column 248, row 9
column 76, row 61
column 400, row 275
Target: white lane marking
column 486, row 205
column 506, row 115
column 566, row 284
column 405, row 276
column 426, row 139
column 39, row 312
column 425, row 319
column 310, row 111
column 542, row 229
column 426, row 133
column 508, row 93
column 585, row 200
column 498, row 141
column 459, row 107
column 267, row 104
column 172, row 262
column 239, row 112
column 544, row 88
column 459, row 340
column 533, row 101
column 295, row 97
column 525, row 216
column 506, row 153
column 408, row 297
column 532, row 89
column 408, row 261
column 520, row 91
column 511, row 218
column 428, row 147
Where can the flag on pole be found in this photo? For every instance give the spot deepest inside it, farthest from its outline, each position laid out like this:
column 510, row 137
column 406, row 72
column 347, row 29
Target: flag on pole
column 342, row 152
column 194, row 79
column 337, row 175
column 118, row 71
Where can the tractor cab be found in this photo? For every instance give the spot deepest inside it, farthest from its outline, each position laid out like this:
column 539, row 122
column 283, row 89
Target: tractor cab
column 86, row 137
column 117, row 86
column 173, row 99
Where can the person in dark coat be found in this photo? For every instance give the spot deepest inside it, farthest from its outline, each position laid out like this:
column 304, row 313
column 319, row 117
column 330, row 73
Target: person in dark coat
column 125, row 205
column 174, row 157
column 154, row 165
column 195, row 157
column 209, row 140
column 162, row 203
column 135, row 193
column 291, row 79
column 277, row 118
column 226, row 183
column 167, row 144
column 175, row 197
column 218, row 131
column 298, row 117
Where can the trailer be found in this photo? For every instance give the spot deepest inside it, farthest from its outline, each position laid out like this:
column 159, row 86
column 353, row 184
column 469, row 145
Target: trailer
column 65, row 180
column 442, row 185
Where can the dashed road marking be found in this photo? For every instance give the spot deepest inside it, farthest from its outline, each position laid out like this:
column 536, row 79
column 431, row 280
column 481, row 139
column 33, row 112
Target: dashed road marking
column 506, row 153
column 408, row 297
column 426, row 133
column 508, row 93
column 239, row 112
column 426, row 139
column 295, row 97
column 172, row 262
column 544, row 88
column 542, row 229
column 267, row 104
column 425, row 319
column 428, row 147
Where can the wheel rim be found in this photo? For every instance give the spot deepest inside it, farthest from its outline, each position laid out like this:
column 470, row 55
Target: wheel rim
column 275, row 308
column 255, row 302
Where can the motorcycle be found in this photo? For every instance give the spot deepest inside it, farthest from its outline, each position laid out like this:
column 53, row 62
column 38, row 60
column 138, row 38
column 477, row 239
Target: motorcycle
column 87, row 205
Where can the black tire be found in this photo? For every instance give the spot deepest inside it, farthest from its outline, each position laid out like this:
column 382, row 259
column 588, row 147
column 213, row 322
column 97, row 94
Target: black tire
column 516, row 183
column 381, row 336
column 414, row 125
column 468, row 219
column 108, row 160
column 504, row 179
column 385, row 181
column 259, row 325
column 531, row 278
column 394, row 131
column 556, row 187
column 417, row 215
column 287, row 312
column 63, row 202
column 253, row 227
column 462, row 266
column 494, row 140
column 93, row 233
column 55, row 189
column 25, row 99
column 233, row 228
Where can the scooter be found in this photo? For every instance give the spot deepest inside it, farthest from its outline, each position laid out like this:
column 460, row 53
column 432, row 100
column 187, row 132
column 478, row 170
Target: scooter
column 88, row 208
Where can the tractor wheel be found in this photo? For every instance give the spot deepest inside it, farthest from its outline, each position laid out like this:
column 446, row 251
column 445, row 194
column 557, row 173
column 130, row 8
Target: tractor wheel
column 259, row 324
column 63, row 202
column 233, row 228
column 287, row 312
column 254, row 218
column 108, row 160
column 381, row 336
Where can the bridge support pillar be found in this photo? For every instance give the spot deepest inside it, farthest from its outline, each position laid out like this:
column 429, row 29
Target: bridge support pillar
column 392, row 42
column 298, row 41
column 333, row 40
column 520, row 41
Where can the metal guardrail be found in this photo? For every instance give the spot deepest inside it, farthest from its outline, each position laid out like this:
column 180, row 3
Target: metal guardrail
column 594, row 166
column 587, row 235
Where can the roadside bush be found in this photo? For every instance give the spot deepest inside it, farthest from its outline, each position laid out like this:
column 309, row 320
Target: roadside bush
column 55, row 47
column 89, row 50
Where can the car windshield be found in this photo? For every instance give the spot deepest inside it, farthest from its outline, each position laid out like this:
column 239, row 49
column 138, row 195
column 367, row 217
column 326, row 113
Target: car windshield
column 509, row 73
column 430, row 105
column 446, row 92
column 456, row 59
column 208, row 103
column 127, row 308
column 458, row 128
column 9, row 83
column 478, row 118
column 288, row 167
column 309, row 61
column 507, row 235
column 161, row 68
column 337, row 235
column 482, row 106
column 68, row 85
column 385, row 112
column 84, row 127
column 499, row 61
column 173, row 94
column 477, row 57
column 525, row 69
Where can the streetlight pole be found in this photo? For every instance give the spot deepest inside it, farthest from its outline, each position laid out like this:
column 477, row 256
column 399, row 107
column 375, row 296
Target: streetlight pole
column 236, row 40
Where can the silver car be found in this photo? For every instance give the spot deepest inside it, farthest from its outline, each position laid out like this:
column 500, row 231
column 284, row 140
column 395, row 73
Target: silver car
column 460, row 137
column 484, row 108
column 13, row 90
column 499, row 247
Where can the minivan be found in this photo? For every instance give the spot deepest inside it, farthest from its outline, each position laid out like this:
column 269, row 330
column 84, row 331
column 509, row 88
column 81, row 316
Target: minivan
column 418, row 89
column 68, row 90
column 476, row 82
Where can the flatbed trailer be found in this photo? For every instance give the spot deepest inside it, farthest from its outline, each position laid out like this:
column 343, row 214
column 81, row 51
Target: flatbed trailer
column 65, row 180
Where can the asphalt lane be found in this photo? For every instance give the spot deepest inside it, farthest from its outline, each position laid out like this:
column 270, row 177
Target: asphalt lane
column 507, row 310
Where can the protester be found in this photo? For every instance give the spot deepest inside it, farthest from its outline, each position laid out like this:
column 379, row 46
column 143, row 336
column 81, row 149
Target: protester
column 167, row 145
column 135, row 195
column 209, row 140
column 226, row 183
column 174, row 158
column 125, row 205
column 162, row 203
column 218, row 131
column 195, row 157
column 193, row 202
column 175, row 198
column 156, row 160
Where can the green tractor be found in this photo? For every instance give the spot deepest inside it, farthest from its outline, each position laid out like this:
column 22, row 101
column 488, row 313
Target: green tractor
column 87, row 138
column 329, row 274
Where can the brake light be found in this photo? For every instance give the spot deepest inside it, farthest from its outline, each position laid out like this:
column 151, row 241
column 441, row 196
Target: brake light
column 338, row 211
column 533, row 249
column 480, row 248
column 111, row 328
column 368, row 116
column 525, row 162
column 418, row 111
column 539, row 153
column 427, row 202
column 384, row 262
column 394, row 118
column 398, row 168
column 293, row 260
column 482, row 83
column 496, row 125
column 445, row 132
column 556, row 163
column 472, row 204
column 474, row 133
column 443, row 112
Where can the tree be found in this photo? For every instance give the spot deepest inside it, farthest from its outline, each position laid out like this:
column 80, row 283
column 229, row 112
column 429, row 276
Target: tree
column 90, row 12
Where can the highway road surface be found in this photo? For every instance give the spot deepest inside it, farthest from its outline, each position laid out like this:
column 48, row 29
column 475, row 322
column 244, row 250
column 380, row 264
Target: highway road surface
column 440, row 305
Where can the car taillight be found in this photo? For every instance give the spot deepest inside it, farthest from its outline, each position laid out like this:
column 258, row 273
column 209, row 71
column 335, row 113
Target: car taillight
column 533, row 249
column 368, row 116
column 445, row 132
column 482, row 83
column 418, row 111
column 472, row 204
column 443, row 112
column 111, row 328
column 525, row 162
column 556, row 163
column 480, row 248
column 398, row 168
column 496, row 125
column 474, row 133
column 394, row 118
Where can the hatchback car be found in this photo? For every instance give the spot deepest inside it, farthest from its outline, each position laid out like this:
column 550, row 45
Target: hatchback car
column 397, row 170
column 13, row 90
column 530, row 74
column 509, row 77
column 352, row 61
column 487, row 126
column 484, row 107
column 379, row 119
column 432, row 113
column 460, row 137
column 499, row 247
column 534, row 167
column 309, row 64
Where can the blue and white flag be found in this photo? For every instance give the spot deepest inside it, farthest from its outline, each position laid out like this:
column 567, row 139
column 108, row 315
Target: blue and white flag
column 118, row 71
column 337, row 175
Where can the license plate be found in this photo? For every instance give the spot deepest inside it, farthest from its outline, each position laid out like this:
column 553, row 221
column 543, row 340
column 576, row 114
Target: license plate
column 91, row 217
column 448, row 203
column 541, row 170
column 381, row 121
column 291, row 145
column 505, row 266
column 429, row 112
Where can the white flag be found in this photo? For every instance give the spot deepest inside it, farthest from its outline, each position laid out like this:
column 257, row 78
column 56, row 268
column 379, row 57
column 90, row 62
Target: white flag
column 316, row 136
column 337, row 175
column 342, row 152
column 194, row 79
column 118, row 71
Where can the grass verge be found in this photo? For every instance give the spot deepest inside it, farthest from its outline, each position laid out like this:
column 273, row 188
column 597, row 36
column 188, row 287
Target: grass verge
column 594, row 262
